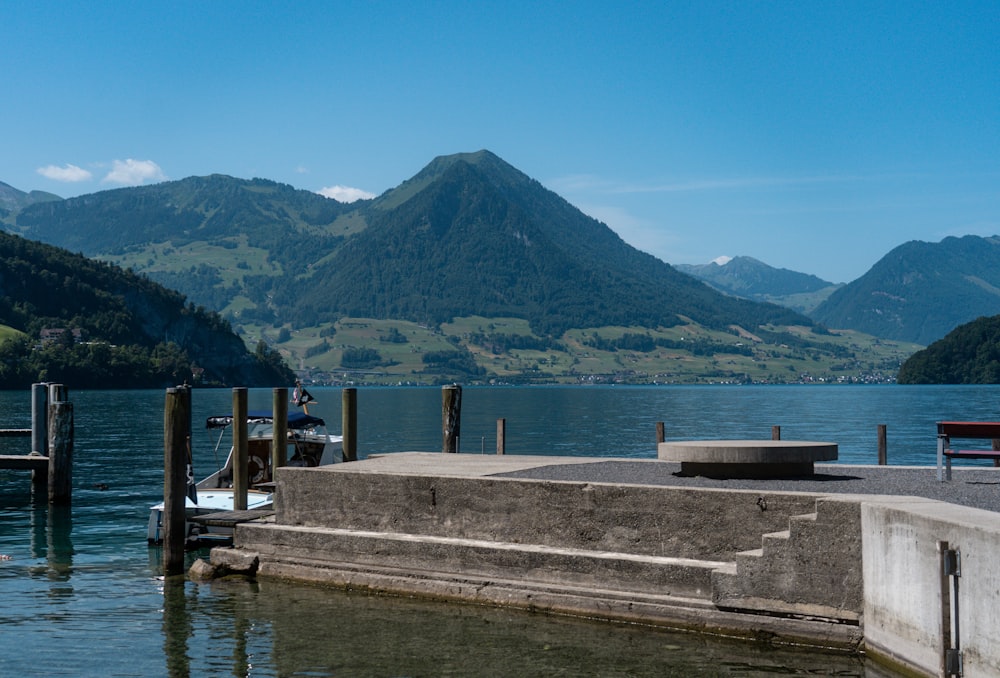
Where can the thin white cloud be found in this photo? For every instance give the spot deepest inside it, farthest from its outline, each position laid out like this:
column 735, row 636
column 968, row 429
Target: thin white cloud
column 68, row 173
column 345, row 193
column 133, row 172
column 594, row 184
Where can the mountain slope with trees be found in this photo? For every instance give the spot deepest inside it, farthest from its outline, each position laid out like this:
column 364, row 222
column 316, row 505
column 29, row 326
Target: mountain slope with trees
column 92, row 325
column 468, row 234
column 920, row 291
column 471, row 235
column 469, row 270
column 969, row 354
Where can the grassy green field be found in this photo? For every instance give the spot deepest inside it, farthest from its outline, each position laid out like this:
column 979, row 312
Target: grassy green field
column 738, row 356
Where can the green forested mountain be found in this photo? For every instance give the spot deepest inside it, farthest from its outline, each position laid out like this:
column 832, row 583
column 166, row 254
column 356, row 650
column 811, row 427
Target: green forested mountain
column 969, row 354
column 119, row 329
column 752, row 279
column 471, row 235
column 468, row 235
column 920, row 291
column 469, row 270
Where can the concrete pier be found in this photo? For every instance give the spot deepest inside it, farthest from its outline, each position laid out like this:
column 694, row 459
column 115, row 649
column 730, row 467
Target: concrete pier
column 752, row 558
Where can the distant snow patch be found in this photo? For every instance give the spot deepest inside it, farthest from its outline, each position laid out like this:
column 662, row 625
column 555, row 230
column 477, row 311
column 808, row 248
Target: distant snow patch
column 722, row 261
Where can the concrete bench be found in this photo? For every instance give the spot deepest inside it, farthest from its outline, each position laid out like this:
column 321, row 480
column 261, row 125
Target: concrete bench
column 747, row 458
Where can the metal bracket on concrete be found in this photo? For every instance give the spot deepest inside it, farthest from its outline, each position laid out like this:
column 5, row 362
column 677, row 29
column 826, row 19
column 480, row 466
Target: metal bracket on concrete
column 951, row 566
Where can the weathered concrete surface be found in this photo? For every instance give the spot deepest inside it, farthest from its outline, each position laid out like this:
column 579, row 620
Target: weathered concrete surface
column 457, row 502
column 440, row 526
column 813, row 568
column 907, row 611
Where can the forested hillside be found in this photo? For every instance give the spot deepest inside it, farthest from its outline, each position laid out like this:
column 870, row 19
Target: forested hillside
column 118, row 329
column 920, row 291
column 469, row 270
column 969, row 354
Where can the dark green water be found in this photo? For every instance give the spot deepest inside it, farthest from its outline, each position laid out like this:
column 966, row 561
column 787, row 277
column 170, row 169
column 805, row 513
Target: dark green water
column 82, row 594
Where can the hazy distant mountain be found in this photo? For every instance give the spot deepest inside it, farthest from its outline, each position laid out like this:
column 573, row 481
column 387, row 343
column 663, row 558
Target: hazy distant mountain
column 920, row 291
column 752, row 279
column 11, row 199
column 467, row 235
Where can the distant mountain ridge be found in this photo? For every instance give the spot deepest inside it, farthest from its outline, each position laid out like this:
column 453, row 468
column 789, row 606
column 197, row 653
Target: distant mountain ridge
column 920, row 291
column 749, row 278
column 12, row 199
column 469, row 234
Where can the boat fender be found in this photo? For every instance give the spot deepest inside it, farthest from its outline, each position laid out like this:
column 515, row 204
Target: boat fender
column 256, row 468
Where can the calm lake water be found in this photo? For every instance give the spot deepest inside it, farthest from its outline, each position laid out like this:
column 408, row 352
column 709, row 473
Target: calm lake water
column 82, row 594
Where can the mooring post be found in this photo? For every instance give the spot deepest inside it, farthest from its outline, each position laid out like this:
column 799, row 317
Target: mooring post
column 501, row 436
column 996, row 448
column 60, row 452
column 349, row 423
column 775, row 433
column 39, row 413
column 279, row 429
column 39, row 433
column 661, row 433
column 241, row 449
column 883, row 457
column 451, row 416
column 176, row 434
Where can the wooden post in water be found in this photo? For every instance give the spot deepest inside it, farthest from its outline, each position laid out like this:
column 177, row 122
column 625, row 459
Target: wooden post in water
column 60, row 452
column 501, row 436
column 349, row 423
column 775, row 433
column 176, row 434
column 279, row 429
column 451, row 416
column 883, row 456
column 996, row 448
column 661, row 433
column 39, row 415
column 39, row 432
column 241, row 449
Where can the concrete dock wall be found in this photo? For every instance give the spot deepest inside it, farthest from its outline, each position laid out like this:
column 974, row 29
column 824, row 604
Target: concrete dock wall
column 908, row 601
column 830, row 569
column 681, row 523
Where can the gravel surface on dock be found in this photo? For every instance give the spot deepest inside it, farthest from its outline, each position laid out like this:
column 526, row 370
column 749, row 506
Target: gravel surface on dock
column 974, row 487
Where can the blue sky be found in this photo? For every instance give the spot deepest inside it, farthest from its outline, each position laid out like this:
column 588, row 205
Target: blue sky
column 815, row 136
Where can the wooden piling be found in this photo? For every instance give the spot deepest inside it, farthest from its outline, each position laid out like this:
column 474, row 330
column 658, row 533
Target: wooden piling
column 60, row 452
column 279, row 429
column 501, row 436
column 775, row 433
column 883, row 457
column 349, row 423
column 176, row 437
column 451, row 416
column 241, row 449
column 39, row 417
column 661, row 433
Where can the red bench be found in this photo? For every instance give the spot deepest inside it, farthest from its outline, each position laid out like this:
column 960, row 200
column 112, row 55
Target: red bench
column 981, row 430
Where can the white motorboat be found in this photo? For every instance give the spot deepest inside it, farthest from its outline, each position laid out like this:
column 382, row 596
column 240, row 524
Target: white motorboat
column 309, row 444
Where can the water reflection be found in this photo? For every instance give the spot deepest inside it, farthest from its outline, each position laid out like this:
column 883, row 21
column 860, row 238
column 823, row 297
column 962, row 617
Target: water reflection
column 177, row 627
column 282, row 629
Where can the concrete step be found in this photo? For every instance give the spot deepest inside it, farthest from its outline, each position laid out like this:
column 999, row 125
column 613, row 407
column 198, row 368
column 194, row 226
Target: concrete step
column 451, row 558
